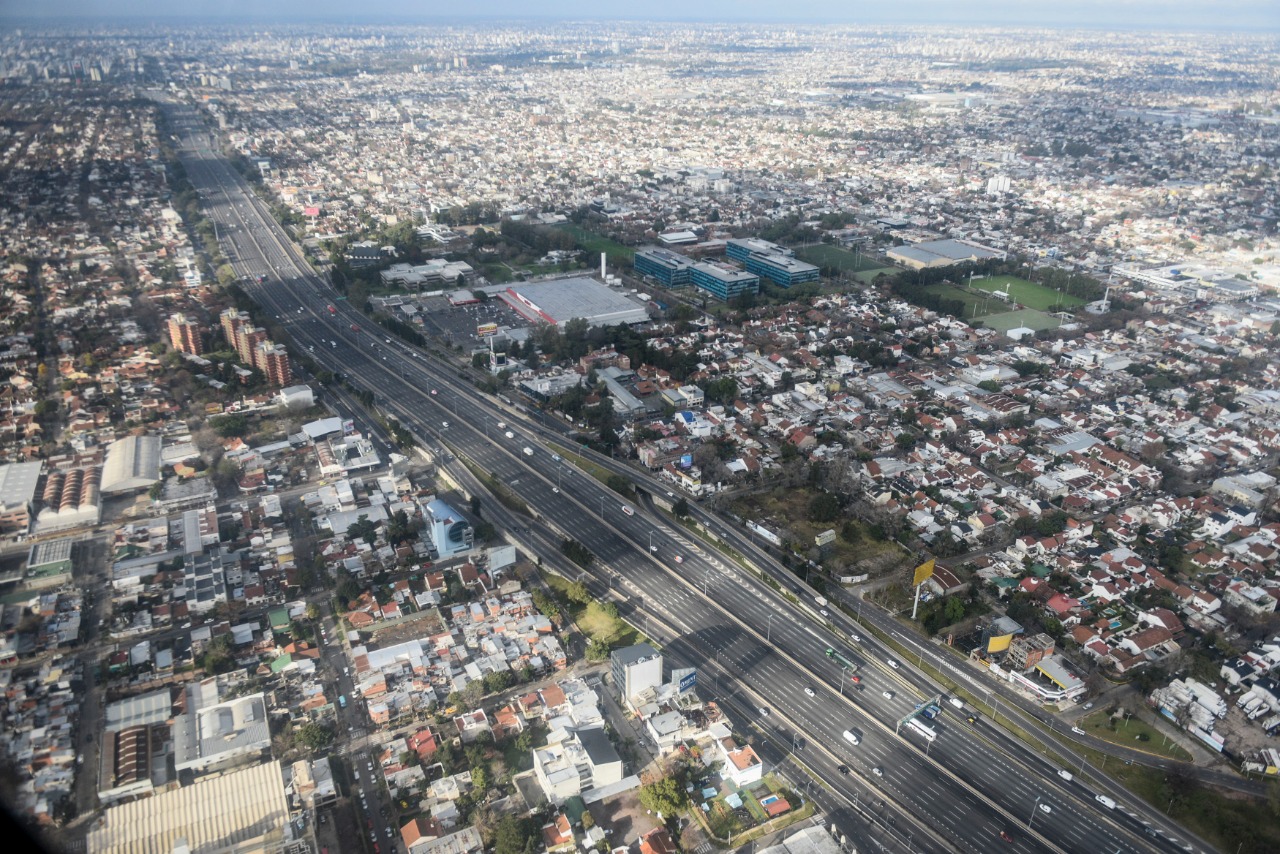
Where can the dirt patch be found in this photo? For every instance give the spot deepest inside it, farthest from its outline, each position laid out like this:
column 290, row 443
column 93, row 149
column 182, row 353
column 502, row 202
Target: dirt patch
column 624, row 815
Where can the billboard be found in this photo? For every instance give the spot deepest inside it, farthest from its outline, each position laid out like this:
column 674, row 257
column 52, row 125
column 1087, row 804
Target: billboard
column 998, row 643
column 686, row 461
column 486, row 330
column 826, row 538
column 688, row 680
column 923, row 573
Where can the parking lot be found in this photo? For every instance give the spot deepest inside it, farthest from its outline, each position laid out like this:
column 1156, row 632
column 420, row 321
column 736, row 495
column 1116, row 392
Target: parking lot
column 457, row 323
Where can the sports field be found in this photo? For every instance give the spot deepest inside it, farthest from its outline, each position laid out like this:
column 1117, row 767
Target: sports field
column 826, row 255
column 1027, row 293
column 1028, row 317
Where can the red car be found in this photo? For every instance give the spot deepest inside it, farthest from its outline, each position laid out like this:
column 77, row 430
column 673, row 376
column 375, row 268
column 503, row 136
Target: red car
column 856, row 679
column 1006, row 836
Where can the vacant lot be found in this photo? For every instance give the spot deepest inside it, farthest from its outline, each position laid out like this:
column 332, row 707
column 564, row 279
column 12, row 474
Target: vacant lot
column 788, row 510
column 1029, row 294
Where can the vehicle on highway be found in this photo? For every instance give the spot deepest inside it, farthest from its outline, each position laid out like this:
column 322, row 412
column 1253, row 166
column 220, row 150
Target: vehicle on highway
column 355, row 328
column 509, row 435
column 1105, row 801
column 764, row 711
column 1088, row 705
column 628, row 510
column 433, row 391
column 853, row 636
column 332, row 310
column 502, row 425
column 1006, row 836
column 973, row 719
column 679, row 558
column 528, row 452
column 444, row 423
column 852, row 737
column 888, row 695
column 878, row 771
column 809, row 691
column 824, row 613
column 957, row 702
column 843, row 769
column 892, row 663
column 1066, row 775
column 1045, row 808
column 855, row 679
column 1077, row 730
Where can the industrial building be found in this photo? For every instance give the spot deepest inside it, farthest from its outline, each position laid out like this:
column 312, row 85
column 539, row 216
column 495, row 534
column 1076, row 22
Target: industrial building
column 560, row 300
column 940, row 253
column 211, row 735
column 132, row 463
column 17, row 491
column 242, row 811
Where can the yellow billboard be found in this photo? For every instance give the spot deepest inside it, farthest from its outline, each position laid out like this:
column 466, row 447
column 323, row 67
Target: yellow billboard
column 923, row 573
column 999, row 644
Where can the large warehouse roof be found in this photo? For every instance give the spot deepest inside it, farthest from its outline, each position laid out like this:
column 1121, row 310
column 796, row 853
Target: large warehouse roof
column 561, row 300
column 18, row 483
column 214, row 814
column 132, row 463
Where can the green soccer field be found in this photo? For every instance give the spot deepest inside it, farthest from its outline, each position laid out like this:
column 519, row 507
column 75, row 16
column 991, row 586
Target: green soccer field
column 1028, row 294
column 826, row 255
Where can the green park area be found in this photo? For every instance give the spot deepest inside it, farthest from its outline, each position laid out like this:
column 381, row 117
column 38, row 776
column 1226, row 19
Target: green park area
column 1027, row 293
column 805, row 513
column 1133, row 732
column 599, row 621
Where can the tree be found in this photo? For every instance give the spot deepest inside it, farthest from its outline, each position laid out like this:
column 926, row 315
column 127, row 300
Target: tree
column 156, row 490
column 666, row 796
column 824, row 507
column 577, row 592
column 479, row 778
column 681, row 507
column 314, row 736
column 363, row 529
column 953, row 610
column 475, row 505
column 597, row 650
column 516, row 836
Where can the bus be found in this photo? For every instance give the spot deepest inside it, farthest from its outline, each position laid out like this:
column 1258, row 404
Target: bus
column 923, row 728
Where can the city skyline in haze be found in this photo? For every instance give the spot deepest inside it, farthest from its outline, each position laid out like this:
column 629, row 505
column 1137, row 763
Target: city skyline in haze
column 1215, row 14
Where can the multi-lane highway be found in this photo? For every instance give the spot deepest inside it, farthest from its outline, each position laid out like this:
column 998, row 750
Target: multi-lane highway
column 968, row 786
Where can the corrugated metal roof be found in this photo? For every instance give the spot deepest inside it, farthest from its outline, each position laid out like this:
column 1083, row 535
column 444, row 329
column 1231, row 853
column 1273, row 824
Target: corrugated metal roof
column 210, row 815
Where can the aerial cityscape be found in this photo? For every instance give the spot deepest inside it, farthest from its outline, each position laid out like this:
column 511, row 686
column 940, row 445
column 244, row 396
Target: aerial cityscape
column 640, row 436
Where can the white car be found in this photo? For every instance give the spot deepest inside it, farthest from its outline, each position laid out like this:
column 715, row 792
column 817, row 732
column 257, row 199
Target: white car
column 824, row 613
column 878, row 771
column 892, row 663
column 809, row 691
column 1078, row 731
column 853, row 636
column 1045, row 808
column 445, row 423
column 509, row 434
column 764, row 711
column 888, row 695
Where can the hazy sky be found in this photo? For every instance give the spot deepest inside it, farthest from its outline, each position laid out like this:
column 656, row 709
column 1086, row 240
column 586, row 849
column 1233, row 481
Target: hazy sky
column 1245, row 14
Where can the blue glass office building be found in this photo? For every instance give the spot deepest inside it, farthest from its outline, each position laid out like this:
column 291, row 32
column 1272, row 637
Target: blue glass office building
column 670, row 268
column 723, row 282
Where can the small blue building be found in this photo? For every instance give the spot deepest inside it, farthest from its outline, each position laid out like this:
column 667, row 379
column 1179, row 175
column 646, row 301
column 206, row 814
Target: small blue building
column 451, row 533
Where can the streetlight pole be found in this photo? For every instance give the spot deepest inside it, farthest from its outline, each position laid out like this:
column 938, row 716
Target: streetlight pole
column 768, row 631
column 1034, row 807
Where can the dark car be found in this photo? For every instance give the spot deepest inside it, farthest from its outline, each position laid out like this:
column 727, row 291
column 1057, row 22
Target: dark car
column 843, row 769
